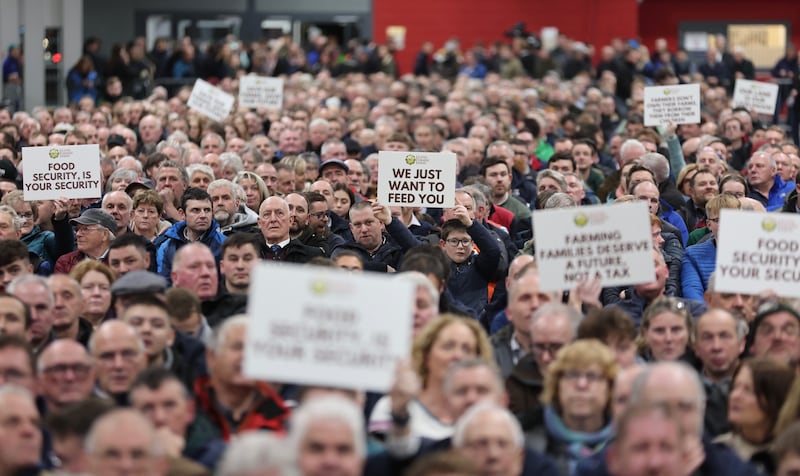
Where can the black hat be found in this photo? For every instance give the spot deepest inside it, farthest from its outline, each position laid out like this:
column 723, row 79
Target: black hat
column 115, row 140
column 335, row 162
column 7, row 170
column 95, row 216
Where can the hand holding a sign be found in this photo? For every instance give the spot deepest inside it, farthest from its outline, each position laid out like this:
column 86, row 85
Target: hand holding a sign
column 587, row 292
column 382, row 213
column 406, row 387
column 60, row 208
column 460, row 213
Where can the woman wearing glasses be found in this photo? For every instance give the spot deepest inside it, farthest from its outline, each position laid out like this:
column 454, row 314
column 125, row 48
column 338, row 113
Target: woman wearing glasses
column 577, row 398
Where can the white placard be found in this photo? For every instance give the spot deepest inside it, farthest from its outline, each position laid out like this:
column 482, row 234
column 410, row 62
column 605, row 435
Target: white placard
column 260, row 91
column 70, row 171
column 417, row 179
column 758, row 252
column 676, row 104
column 756, row 96
column 210, row 101
column 612, row 242
column 327, row 327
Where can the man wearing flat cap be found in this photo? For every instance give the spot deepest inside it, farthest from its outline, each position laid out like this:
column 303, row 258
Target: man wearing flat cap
column 775, row 333
column 94, row 230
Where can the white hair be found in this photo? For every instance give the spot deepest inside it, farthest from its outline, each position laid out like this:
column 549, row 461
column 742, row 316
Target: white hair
column 203, row 168
column 464, row 423
column 419, row 280
column 217, row 337
column 333, row 407
column 256, row 451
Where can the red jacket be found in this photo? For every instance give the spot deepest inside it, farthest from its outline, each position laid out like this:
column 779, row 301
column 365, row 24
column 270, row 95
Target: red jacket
column 267, row 412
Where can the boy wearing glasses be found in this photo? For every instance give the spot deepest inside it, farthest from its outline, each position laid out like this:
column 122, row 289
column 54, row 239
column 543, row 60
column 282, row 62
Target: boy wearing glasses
column 471, row 270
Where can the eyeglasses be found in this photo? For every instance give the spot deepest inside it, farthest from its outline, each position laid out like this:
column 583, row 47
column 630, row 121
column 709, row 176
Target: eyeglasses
column 59, row 370
column 456, row 241
column 713, row 220
column 319, row 215
column 578, row 375
column 547, row 348
column 25, row 216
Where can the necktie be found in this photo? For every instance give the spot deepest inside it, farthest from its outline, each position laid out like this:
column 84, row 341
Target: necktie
column 276, row 251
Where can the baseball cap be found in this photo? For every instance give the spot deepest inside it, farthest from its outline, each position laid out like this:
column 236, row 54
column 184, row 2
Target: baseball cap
column 336, row 162
column 95, row 216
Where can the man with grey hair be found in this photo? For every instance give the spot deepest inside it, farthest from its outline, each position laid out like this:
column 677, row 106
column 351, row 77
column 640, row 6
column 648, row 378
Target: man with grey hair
column 212, row 143
column 136, row 450
column 678, row 386
column 491, row 438
column 35, row 292
column 326, row 436
column 95, row 230
column 256, row 453
column 21, row 438
column 559, row 200
column 659, row 165
column 766, row 185
column 228, row 210
column 231, row 402
column 119, row 205
column 718, row 341
column 467, row 383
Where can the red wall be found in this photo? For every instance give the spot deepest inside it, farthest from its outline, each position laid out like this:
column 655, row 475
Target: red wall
column 591, row 21
column 661, row 18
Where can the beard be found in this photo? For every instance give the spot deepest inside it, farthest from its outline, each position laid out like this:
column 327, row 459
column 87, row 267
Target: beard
column 223, row 217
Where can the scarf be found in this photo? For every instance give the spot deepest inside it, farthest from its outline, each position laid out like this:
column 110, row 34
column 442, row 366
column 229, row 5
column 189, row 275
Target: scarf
column 578, row 444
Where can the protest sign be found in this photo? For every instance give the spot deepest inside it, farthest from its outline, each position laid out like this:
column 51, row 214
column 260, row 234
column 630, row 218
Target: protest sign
column 676, row 104
column 756, row 96
column 327, row 327
column 70, row 171
column 210, row 101
column 765, row 257
column 417, row 179
column 259, row 91
column 610, row 242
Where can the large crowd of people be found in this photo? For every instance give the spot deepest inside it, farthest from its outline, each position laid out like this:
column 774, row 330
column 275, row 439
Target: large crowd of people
column 123, row 317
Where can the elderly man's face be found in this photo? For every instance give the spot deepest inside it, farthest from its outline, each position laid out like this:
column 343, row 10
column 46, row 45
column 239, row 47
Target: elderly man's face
column 66, row 373
column 328, row 447
column 489, row 445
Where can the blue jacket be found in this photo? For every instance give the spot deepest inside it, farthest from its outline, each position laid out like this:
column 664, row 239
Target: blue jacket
column 669, row 215
column 777, row 194
column 167, row 245
column 43, row 243
column 699, row 262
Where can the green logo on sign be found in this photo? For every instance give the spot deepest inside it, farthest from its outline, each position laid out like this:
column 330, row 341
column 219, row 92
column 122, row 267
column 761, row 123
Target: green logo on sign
column 769, row 224
column 54, row 153
column 411, row 160
column 581, row 219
